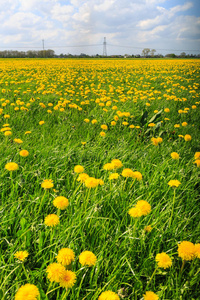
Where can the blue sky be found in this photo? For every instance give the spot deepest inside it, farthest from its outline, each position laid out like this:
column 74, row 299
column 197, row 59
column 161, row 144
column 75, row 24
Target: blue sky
column 169, row 26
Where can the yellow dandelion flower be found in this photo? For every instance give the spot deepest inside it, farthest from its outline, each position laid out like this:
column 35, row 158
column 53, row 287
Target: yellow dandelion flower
column 100, row 181
column 94, row 121
column 27, row 132
column 18, row 141
column 87, row 258
column 78, row 169
column 55, row 272
column 142, row 208
column 65, row 256
column 7, row 133
column 113, row 123
column 108, row 295
column 174, row 183
column 68, row 279
column 41, row 122
column 60, row 202
column 166, row 110
column 197, row 250
column 104, row 127
column 150, row 296
column 11, row 166
column 21, row 255
column 174, row 155
column 47, row 184
column 24, row 153
column 186, row 250
column 113, row 176
column 82, row 177
column 164, row 261
column 27, row 292
column 51, row 220
column 127, row 173
column 154, row 141
column 184, row 124
column 86, row 120
column 91, row 182
column 132, row 126
column 148, row 228
column 151, row 124
column 109, row 167
column 117, row 163
column 137, row 175
column 102, row 133
column 197, row 162
column 176, row 126
column 187, row 137
column 197, row 155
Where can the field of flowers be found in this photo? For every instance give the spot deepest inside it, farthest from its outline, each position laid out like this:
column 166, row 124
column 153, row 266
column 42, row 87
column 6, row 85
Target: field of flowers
column 99, row 189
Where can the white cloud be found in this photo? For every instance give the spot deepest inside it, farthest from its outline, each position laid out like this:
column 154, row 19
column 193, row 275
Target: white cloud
column 147, row 23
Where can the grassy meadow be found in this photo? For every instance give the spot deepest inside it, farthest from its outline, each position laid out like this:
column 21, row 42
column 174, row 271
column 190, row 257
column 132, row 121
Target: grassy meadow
column 99, row 159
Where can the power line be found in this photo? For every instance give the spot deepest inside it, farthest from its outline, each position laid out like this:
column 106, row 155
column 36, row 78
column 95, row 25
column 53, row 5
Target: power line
column 94, row 45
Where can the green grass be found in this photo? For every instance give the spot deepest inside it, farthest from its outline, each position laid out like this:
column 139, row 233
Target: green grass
column 97, row 220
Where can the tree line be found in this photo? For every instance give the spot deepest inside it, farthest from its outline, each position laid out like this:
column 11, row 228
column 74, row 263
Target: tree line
column 146, row 53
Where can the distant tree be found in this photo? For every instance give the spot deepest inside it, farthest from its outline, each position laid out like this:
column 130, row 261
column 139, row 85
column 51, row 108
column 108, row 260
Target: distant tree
column 183, row 54
column 145, row 52
column 172, row 55
column 152, row 52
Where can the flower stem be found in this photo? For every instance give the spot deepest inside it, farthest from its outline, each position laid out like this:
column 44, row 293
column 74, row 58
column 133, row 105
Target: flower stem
column 152, row 277
column 170, row 221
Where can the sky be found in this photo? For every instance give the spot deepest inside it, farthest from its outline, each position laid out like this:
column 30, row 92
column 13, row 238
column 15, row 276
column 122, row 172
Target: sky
column 80, row 26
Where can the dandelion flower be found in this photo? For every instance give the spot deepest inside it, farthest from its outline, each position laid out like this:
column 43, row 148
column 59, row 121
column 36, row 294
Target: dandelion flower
column 108, row 295
column 68, row 279
column 24, row 153
column 109, row 166
column 27, row 292
column 142, row 208
column 174, row 183
column 100, row 181
column 60, row 202
column 82, row 177
column 91, row 182
column 86, row 120
column 41, row 122
column 150, row 296
column 104, row 127
column 197, row 155
column 21, row 255
column 137, row 175
column 174, row 155
column 187, row 137
column 55, row 272
column 11, row 166
column 184, row 124
column 148, row 228
column 151, row 124
column 65, row 256
column 197, row 162
column 94, row 121
column 197, row 250
column 127, row 173
column 27, row 132
column 51, row 220
column 102, row 133
column 164, row 261
column 47, row 184
column 78, row 169
column 87, row 258
column 186, row 250
column 7, row 133
column 18, row 141
column 117, row 163
column 166, row 110
column 113, row 176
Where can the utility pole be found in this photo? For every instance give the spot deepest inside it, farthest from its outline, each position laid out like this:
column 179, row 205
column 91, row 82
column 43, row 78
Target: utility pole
column 43, row 48
column 104, row 47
